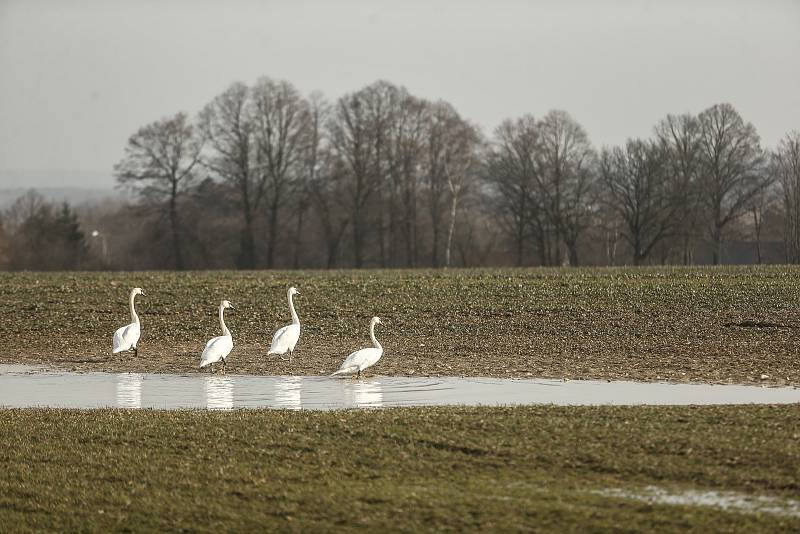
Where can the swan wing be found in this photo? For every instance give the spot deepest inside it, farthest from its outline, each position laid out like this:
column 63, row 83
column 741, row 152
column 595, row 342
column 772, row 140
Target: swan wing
column 126, row 337
column 285, row 339
column 360, row 360
column 371, row 357
column 216, row 349
column 119, row 339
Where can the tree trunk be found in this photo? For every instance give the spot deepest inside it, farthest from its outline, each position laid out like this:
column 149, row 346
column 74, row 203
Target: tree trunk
column 409, row 233
column 298, row 235
column 247, row 246
column 334, row 239
column 173, row 220
column 273, row 231
column 435, row 236
column 687, row 254
column 451, row 228
column 521, row 231
column 333, row 247
column 757, row 228
column 716, row 238
column 413, row 225
column 572, row 251
column 357, row 239
column 389, row 255
column 637, row 251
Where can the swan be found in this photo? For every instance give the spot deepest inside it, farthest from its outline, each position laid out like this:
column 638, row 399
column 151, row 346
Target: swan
column 361, row 359
column 127, row 337
column 286, row 338
column 218, row 348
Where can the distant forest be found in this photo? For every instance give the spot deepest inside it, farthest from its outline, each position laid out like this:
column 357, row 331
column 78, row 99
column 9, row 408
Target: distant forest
column 264, row 177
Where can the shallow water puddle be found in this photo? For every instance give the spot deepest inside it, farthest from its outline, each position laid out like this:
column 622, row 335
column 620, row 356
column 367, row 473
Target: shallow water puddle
column 725, row 500
column 24, row 386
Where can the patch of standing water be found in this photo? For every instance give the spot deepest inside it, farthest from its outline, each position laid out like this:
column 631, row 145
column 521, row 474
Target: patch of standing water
column 725, row 500
column 24, row 386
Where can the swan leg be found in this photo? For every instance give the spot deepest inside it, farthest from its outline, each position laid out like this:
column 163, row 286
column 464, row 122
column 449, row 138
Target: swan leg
column 211, row 367
column 223, row 366
column 135, row 352
column 290, row 356
column 358, row 376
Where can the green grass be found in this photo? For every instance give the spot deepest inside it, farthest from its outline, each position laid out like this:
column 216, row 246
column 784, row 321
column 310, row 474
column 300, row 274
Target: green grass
column 685, row 324
column 458, row 469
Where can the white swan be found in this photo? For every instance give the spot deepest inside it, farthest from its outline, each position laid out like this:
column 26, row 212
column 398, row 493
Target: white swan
column 361, row 359
column 286, row 338
column 218, row 348
column 127, row 337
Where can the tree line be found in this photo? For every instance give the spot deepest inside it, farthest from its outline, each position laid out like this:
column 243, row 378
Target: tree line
column 265, row 177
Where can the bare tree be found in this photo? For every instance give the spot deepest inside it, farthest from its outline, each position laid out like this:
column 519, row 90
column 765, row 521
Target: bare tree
column 434, row 145
column 159, row 164
column 359, row 134
column 637, row 188
column 460, row 165
column 565, row 179
column 383, row 102
column 312, row 159
column 451, row 159
column 281, row 119
column 43, row 236
column 511, row 172
column 329, row 192
column 680, row 137
column 732, row 168
column 229, row 126
column 760, row 205
column 407, row 130
column 786, row 169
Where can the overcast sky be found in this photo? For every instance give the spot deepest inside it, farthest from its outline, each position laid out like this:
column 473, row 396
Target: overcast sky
column 77, row 78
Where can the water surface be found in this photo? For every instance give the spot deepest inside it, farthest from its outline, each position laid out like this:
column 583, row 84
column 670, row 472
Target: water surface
column 24, row 386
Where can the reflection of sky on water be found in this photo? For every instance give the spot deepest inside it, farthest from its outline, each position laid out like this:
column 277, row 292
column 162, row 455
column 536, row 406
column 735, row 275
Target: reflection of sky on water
column 21, row 387
column 219, row 393
column 288, row 392
column 129, row 390
column 366, row 394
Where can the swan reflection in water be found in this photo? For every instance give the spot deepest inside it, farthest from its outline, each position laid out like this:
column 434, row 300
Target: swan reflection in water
column 219, row 392
column 287, row 393
column 129, row 390
column 364, row 394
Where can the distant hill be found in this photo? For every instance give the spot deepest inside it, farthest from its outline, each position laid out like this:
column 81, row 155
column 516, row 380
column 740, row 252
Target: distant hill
column 75, row 196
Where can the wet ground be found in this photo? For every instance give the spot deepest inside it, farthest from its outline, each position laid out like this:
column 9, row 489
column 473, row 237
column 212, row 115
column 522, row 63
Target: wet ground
column 25, row 386
column 716, row 325
column 724, row 500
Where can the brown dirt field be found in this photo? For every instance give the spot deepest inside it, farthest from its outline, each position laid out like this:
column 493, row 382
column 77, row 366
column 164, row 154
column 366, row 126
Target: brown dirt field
column 729, row 325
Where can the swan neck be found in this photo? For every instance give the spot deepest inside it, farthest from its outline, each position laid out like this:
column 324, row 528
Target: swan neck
column 225, row 331
column 295, row 318
column 372, row 336
column 134, row 316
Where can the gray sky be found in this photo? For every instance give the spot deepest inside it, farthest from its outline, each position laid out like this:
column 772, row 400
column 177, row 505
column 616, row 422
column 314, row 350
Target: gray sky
column 78, row 77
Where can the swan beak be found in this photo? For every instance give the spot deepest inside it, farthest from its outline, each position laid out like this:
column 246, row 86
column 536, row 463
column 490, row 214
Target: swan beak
column 231, row 307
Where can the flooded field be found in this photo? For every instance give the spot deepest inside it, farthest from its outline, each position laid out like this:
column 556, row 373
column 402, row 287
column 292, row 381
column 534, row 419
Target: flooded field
column 24, row 386
column 731, row 325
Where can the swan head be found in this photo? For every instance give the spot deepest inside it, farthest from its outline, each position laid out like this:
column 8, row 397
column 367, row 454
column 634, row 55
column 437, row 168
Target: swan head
column 293, row 291
column 137, row 291
column 227, row 304
column 376, row 320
